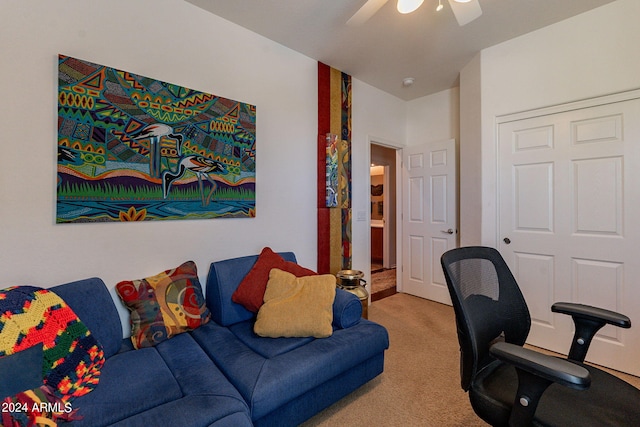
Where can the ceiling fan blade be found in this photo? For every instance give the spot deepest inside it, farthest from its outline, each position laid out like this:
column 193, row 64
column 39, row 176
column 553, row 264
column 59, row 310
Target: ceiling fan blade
column 366, row 12
column 465, row 12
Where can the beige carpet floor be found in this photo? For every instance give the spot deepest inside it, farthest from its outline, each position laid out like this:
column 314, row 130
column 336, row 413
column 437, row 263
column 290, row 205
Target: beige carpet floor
column 420, row 385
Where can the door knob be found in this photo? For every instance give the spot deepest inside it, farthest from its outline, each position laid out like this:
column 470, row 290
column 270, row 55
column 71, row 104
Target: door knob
column 449, row 231
column 506, row 240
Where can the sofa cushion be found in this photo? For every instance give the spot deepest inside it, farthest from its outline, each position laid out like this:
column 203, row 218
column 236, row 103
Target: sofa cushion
column 200, row 410
column 297, row 306
column 21, row 371
column 193, row 369
column 172, row 383
column 206, row 389
column 347, row 312
column 164, row 305
column 223, row 280
column 251, row 290
column 266, row 347
column 131, row 382
column 266, row 383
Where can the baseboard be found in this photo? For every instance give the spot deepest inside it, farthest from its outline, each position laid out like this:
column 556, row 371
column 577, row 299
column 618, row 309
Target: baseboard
column 383, row 294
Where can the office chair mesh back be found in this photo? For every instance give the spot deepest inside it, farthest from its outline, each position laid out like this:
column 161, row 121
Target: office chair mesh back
column 488, row 305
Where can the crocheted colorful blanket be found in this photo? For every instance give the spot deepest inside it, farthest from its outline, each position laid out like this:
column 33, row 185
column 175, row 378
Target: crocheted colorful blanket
column 72, row 356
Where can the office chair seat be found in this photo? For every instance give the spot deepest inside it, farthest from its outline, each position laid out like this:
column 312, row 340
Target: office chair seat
column 494, row 389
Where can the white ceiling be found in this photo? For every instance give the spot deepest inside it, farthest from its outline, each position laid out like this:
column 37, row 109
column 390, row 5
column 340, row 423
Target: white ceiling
column 427, row 45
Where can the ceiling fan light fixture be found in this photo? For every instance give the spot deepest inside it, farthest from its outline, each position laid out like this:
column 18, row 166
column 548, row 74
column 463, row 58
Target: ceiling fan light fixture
column 408, row 6
column 466, row 11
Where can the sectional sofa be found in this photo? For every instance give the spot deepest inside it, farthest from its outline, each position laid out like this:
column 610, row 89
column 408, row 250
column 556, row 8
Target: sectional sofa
column 222, row 373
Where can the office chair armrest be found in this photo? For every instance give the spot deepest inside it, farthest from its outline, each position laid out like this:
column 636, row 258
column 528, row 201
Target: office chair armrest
column 551, row 368
column 536, row 372
column 588, row 320
column 592, row 313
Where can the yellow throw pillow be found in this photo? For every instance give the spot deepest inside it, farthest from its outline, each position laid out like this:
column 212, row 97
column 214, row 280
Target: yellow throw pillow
column 297, row 306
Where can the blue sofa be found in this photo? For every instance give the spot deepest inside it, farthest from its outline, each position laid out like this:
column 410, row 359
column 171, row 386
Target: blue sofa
column 222, row 374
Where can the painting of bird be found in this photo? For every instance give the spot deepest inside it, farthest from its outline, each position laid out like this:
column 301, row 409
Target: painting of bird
column 154, row 132
column 202, row 167
column 131, row 148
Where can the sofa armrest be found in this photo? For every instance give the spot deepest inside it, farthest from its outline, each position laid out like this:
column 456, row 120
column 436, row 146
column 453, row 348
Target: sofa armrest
column 347, row 310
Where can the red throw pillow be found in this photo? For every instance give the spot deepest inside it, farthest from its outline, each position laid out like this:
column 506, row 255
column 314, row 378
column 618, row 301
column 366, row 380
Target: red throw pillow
column 250, row 292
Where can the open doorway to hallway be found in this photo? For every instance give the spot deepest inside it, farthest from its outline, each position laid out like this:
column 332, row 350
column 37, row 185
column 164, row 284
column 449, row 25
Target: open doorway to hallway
column 383, row 216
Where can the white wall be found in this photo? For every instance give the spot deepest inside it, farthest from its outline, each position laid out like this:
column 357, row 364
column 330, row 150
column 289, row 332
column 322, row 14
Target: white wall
column 173, row 41
column 592, row 54
column 434, row 117
column 470, row 183
column 380, row 117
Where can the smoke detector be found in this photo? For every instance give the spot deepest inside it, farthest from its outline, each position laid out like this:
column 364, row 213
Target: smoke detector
column 408, row 81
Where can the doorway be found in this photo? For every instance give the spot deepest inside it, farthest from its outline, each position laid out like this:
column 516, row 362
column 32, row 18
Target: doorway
column 383, row 214
column 429, row 220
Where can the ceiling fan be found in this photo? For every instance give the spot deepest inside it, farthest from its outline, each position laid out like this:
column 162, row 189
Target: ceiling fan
column 465, row 11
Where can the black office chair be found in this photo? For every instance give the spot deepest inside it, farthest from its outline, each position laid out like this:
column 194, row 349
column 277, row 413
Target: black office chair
column 510, row 385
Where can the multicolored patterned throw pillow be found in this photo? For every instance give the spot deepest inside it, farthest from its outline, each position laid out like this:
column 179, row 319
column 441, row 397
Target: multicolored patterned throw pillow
column 164, row 305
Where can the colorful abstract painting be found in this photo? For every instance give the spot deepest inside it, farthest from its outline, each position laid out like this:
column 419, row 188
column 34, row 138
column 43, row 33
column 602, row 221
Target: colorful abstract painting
column 338, row 172
column 131, row 148
column 332, row 171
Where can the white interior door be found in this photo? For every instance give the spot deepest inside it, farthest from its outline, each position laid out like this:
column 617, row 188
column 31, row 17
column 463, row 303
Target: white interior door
column 429, row 217
column 569, row 213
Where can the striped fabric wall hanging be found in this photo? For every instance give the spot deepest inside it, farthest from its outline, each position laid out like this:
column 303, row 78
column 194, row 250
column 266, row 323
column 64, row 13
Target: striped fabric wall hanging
column 334, row 170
